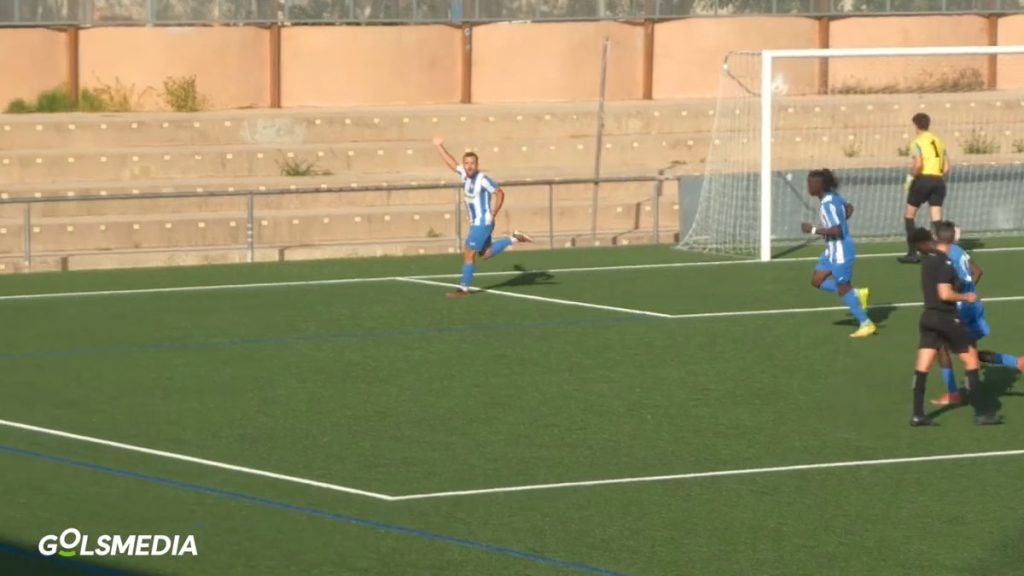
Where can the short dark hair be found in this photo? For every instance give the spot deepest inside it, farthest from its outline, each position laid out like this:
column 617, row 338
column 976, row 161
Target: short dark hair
column 471, row 155
column 945, row 232
column 828, row 179
column 922, row 121
column 921, row 235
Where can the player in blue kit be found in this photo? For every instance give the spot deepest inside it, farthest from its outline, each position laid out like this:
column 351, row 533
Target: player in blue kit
column 834, row 272
column 483, row 200
column 972, row 315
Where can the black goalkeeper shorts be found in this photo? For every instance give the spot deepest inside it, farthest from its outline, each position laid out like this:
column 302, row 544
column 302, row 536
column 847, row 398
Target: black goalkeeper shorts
column 930, row 189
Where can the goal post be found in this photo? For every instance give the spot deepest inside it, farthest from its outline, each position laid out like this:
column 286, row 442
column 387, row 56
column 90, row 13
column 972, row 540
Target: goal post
column 758, row 144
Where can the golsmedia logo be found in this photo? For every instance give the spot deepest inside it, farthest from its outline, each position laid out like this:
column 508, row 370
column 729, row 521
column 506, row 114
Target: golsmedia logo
column 72, row 542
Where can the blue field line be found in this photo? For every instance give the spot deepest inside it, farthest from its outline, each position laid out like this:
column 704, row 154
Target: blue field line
column 336, row 517
column 76, row 565
column 316, row 338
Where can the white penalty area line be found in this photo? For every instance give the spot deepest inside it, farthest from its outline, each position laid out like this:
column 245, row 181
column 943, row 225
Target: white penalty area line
column 715, row 474
column 343, row 281
column 506, row 489
column 540, row 298
column 775, row 311
column 193, row 460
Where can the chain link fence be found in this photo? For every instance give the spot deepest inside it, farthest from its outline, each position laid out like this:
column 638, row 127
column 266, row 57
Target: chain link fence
column 169, row 12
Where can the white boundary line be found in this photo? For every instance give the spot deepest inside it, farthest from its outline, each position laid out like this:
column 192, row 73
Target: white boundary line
column 193, row 460
column 716, row 474
column 509, row 489
column 342, row 281
column 774, row 311
column 540, row 298
column 178, row 289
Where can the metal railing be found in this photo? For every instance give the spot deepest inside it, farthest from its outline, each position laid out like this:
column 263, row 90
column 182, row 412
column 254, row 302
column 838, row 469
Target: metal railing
column 252, row 216
column 199, row 12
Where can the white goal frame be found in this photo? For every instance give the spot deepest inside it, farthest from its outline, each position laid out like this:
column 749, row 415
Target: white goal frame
column 768, row 58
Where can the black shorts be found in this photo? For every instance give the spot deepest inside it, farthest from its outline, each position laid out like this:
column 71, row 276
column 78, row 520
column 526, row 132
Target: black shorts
column 940, row 330
column 930, row 189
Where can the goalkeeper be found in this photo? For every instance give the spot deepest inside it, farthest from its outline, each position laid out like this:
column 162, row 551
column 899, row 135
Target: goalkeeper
column 926, row 181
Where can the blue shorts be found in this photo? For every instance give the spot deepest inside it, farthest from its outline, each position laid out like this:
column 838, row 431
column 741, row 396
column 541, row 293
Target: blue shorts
column 479, row 238
column 973, row 318
column 842, row 273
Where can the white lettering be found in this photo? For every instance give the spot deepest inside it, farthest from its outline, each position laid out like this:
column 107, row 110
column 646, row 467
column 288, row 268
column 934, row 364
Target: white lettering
column 123, row 545
column 70, row 539
column 142, row 545
column 161, row 545
column 48, row 545
column 189, row 547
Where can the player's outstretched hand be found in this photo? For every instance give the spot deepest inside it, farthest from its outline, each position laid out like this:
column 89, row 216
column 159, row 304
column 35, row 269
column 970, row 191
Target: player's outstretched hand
column 438, row 141
column 806, row 227
column 971, row 297
column 849, row 211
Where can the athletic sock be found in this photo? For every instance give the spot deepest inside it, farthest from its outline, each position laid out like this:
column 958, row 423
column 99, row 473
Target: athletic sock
column 500, row 246
column 974, row 385
column 467, row 276
column 829, row 285
column 1007, row 360
column 989, row 357
column 950, row 377
column 853, row 301
column 920, row 379
column 908, row 223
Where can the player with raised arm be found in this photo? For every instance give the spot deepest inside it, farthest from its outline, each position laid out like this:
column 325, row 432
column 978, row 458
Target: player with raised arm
column 940, row 327
column 484, row 200
column 972, row 316
column 926, row 181
column 834, row 272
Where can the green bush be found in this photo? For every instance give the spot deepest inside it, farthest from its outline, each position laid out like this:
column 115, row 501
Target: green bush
column 182, row 95
column 979, row 143
column 56, row 100
column 299, row 167
column 20, row 106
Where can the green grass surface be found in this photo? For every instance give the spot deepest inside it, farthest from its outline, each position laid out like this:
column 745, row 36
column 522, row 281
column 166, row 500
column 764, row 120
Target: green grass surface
column 390, row 387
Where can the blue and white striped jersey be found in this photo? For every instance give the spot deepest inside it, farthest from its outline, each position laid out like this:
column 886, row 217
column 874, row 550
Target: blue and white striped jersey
column 962, row 265
column 477, row 192
column 840, row 248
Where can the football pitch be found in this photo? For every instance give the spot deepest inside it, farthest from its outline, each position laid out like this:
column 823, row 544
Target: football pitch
column 611, row 411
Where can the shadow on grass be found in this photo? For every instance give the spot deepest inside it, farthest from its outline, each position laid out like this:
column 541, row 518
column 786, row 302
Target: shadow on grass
column 996, row 383
column 525, row 278
column 879, row 315
column 18, row 559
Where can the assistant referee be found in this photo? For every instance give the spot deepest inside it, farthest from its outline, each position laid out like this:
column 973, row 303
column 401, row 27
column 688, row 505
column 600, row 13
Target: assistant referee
column 926, row 181
column 940, row 327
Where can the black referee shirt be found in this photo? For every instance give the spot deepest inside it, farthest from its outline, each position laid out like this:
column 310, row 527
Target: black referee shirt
column 937, row 269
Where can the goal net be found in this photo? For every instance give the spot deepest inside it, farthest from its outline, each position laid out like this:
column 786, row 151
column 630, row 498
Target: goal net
column 782, row 113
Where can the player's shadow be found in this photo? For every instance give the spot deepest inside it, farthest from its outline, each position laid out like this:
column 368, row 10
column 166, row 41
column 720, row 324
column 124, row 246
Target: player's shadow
column 878, row 314
column 525, row 278
column 996, row 383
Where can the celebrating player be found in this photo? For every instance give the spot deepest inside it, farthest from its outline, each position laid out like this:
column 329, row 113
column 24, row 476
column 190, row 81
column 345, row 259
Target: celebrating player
column 483, row 200
column 972, row 316
column 941, row 327
column 926, row 181
column 834, row 272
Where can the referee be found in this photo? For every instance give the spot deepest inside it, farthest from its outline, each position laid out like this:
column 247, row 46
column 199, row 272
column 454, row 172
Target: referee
column 926, row 181
column 940, row 327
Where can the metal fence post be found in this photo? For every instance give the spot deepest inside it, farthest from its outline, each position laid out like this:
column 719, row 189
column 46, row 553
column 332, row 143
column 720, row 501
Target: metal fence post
column 551, row 215
column 250, row 236
column 657, row 212
column 28, row 236
column 458, row 221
